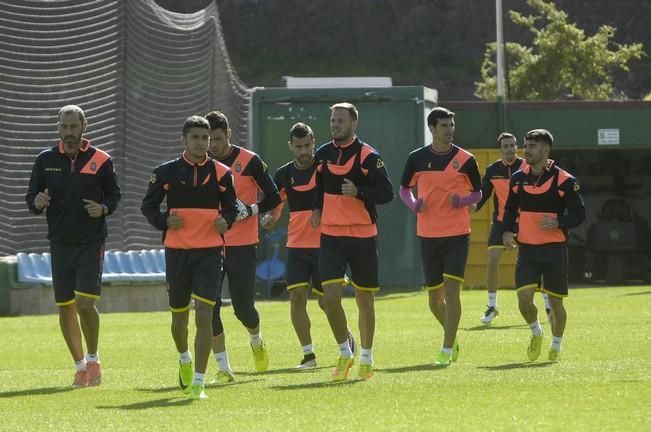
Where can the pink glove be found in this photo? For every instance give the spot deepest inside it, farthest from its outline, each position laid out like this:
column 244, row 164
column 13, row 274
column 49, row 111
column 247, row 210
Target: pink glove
column 407, row 197
column 472, row 198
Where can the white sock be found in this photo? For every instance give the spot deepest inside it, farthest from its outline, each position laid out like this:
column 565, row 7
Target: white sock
column 546, row 299
column 222, row 361
column 492, row 299
column 307, row 349
column 185, row 357
column 81, row 365
column 366, row 356
column 344, row 350
column 198, row 378
column 535, row 328
column 256, row 340
column 448, row 351
column 92, row 357
column 556, row 342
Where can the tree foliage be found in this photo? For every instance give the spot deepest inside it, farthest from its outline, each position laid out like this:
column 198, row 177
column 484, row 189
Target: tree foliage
column 562, row 63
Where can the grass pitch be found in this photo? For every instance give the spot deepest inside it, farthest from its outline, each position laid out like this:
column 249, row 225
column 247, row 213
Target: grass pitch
column 602, row 383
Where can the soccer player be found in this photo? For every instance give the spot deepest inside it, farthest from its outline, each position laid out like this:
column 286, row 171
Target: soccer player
column 496, row 178
column 201, row 206
column 447, row 179
column 75, row 184
column 351, row 180
column 250, row 177
column 296, row 182
column 543, row 202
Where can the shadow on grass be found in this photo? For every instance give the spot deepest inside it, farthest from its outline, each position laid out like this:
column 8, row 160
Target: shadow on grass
column 522, row 365
column 412, row 368
column 36, row 391
column 175, row 389
column 316, row 385
column 158, row 403
column 635, row 294
column 494, row 327
column 282, row 371
column 234, row 383
column 394, row 296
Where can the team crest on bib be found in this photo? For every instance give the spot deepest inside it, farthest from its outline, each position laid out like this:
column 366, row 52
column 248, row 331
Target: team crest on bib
column 455, row 164
column 152, row 179
column 93, row 166
column 379, row 163
column 238, row 167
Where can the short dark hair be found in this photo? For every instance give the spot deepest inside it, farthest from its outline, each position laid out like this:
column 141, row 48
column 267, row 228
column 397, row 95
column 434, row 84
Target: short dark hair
column 72, row 109
column 217, row 120
column 438, row 113
column 195, row 121
column 352, row 110
column 300, row 130
column 504, row 135
column 540, row 135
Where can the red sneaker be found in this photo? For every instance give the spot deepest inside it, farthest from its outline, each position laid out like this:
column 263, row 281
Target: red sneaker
column 93, row 374
column 80, row 379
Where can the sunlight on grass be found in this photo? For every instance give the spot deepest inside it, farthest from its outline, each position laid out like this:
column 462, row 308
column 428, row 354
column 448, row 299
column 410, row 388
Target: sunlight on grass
column 602, row 383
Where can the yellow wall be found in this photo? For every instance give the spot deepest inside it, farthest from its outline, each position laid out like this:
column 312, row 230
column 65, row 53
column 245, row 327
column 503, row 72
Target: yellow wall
column 481, row 224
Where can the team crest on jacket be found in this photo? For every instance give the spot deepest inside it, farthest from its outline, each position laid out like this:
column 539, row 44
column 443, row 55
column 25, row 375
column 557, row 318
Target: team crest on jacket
column 576, row 187
column 455, row 164
column 93, row 166
column 152, row 179
column 238, row 167
column 379, row 163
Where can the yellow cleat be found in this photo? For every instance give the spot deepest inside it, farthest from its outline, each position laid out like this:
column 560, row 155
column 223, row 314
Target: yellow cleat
column 261, row 357
column 442, row 359
column 533, row 351
column 554, row 355
column 186, row 374
column 223, row 377
column 343, row 367
column 455, row 351
column 365, row 372
column 197, row 392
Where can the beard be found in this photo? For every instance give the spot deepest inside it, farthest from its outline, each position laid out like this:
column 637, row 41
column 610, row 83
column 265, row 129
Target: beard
column 71, row 141
column 304, row 160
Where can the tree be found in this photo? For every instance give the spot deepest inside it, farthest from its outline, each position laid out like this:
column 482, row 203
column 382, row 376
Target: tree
column 563, row 62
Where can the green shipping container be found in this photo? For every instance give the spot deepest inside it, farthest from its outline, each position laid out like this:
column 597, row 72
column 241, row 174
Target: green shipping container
column 392, row 120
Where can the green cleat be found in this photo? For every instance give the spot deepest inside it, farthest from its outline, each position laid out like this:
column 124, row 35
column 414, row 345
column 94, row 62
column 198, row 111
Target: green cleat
column 261, row 357
column 533, row 351
column 554, row 355
column 197, row 392
column 186, row 374
column 455, row 351
column 223, row 377
column 442, row 359
column 365, row 372
column 343, row 367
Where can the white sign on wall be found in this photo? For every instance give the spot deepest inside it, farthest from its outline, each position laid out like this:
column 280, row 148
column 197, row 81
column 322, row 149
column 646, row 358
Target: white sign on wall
column 608, row 137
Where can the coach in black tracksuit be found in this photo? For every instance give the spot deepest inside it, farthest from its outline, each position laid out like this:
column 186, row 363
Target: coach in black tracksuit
column 77, row 185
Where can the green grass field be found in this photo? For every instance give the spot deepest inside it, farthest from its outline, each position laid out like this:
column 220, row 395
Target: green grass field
column 602, row 383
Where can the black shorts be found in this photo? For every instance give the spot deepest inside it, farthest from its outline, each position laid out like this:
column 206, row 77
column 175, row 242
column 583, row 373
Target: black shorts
column 444, row 257
column 303, row 269
column 193, row 273
column 360, row 254
column 76, row 270
column 495, row 236
column 548, row 261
